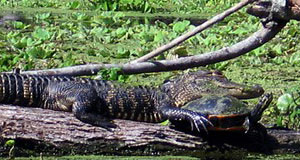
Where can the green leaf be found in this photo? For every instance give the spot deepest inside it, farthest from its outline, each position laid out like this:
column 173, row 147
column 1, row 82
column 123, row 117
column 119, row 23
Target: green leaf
column 284, row 102
column 43, row 16
column 159, row 36
column 10, row 143
column 165, row 123
column 295, row 58
column 122, row 53
column 240, row 31
column 122, row 78
column 74, row 5
column 259, row 51
column 277, row 49
column 22, row 43
column 36, row 52
column 279, row 121
column 120, row 32
column 180, row 27
column 19, row 25
column 16, row 60
column 292, row 116
column 41, row 34
column 181, row 51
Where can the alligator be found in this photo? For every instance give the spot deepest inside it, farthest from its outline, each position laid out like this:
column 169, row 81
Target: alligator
column 98, row 101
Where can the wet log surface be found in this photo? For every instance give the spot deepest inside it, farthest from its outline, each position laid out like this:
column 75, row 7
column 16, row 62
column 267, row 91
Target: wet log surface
column 59, row 133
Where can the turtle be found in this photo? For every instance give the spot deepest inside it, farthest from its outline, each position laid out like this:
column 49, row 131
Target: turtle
column 225, row 113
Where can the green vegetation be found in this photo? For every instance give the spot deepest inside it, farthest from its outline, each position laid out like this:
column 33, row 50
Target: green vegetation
column 289, row 109
column 70, row 33
column 65, row 33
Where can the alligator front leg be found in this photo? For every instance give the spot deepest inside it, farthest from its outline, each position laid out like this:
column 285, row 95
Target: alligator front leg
column 196, row 119
column 79, row 98
column 80, row 112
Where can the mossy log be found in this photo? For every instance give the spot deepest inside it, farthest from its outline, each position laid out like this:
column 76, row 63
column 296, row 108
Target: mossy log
column 50, row 132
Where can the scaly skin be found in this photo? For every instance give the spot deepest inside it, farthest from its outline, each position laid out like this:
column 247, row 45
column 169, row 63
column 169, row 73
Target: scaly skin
column 194, row 85
column 93, row 101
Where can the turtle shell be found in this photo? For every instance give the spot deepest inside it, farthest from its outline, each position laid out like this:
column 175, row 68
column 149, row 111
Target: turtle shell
column 217, row 105
column 226, row 113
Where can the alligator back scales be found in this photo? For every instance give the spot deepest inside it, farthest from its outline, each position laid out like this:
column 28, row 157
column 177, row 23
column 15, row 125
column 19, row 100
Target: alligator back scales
column 81, row 96
column 27, row 90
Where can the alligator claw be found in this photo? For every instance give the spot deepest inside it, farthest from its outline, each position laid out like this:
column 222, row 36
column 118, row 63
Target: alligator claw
column 199, row 121
column 96, row 120
column 181, row 117
column 106, row 125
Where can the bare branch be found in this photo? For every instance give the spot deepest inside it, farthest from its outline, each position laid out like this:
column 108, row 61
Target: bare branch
column 79, row 70
column 193, row 32
column 254, row 41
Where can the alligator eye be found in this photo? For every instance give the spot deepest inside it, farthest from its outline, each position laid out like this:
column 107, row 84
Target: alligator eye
column 217, row 73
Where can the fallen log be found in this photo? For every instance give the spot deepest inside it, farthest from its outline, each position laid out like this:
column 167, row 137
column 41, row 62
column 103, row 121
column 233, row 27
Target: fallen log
column 50, row 132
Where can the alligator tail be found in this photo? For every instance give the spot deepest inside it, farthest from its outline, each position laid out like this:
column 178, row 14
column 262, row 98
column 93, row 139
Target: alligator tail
column 24, row 90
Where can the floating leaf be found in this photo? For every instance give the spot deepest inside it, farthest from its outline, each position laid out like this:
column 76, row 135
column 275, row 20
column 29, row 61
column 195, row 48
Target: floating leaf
column 159, row 36
column 41, row 34
column 36, row 52
column 284, row 102
column 180, row 27
column 74, row 5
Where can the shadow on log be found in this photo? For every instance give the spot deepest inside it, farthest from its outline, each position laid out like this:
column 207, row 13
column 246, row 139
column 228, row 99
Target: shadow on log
column 50, row 132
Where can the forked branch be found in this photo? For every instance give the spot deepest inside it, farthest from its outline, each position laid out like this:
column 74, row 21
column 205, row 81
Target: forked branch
column 193, row 32
column 254, row 41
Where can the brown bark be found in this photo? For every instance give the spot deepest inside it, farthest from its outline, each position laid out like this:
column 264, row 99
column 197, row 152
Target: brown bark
column 58, row 133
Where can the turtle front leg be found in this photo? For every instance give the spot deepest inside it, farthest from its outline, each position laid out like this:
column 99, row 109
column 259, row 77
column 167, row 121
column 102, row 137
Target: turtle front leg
column 197, row 120
column 260, row 107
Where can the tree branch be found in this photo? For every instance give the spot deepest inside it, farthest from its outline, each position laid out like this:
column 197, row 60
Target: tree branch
column 254, row 41
column 193, row 32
